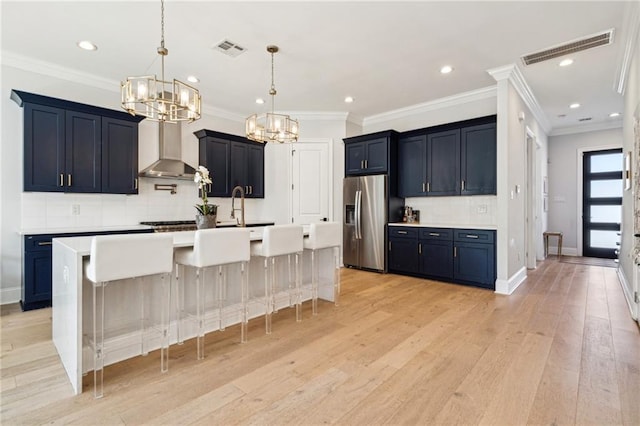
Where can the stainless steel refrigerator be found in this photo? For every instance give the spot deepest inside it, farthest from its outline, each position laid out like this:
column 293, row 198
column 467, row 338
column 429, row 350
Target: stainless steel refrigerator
column 365, row 217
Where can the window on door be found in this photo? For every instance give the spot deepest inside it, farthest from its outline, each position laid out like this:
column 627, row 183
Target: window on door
column 602, row 203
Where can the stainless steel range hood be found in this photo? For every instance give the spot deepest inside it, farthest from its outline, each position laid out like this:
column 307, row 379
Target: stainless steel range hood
column 170, row 164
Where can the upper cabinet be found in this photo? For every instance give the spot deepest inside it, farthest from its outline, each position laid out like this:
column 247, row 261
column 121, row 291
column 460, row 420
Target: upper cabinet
column 370, row 154
column 232, row 161
column 72, row 147
column 453, row 159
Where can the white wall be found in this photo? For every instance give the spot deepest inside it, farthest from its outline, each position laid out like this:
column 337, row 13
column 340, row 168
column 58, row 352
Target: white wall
column 565, row 181
column 630, row 246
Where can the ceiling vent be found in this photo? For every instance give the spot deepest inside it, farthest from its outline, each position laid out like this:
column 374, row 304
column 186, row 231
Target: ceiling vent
column 600, row 39
column 229, row 48
column 584, row 119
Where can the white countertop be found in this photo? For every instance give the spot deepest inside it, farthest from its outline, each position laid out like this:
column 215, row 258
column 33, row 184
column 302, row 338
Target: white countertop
column 444, row 225
column 40, row 231
column 82, row 245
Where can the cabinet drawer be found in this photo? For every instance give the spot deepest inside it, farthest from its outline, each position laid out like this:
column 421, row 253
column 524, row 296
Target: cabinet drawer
column 474, row 235
column 403, row 232
column 443, row 234
column 38, row 242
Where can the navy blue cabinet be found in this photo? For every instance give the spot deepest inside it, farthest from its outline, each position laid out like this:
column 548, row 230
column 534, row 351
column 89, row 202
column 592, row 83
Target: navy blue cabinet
column 119, row 156
column 247, row 168
column 403, row 250
column 370, row 154
column 443, row 163
column 72, row 147
column 412, row 172
column 447, row 160
column 215, row 155
column 36, row 266
column 436, row 252
column 474, row 257
column 232, row 161
column 478, row 159
column 465, row 256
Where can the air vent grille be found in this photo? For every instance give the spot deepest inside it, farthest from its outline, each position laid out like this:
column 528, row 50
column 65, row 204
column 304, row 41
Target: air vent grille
column 229, row 48
column 589, row 42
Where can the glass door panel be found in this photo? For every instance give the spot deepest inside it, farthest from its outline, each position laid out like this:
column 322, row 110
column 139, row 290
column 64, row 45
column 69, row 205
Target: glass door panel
column 601, row 203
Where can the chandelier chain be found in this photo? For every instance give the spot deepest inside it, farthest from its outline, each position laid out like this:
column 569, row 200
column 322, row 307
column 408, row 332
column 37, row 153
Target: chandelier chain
column 162, row 23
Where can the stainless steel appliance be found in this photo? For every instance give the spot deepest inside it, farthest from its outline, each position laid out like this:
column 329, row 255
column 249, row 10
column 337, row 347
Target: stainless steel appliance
column 365, row 217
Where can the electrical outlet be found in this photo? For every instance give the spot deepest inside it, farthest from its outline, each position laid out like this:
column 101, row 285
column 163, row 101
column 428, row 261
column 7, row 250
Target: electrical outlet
column 75, row 209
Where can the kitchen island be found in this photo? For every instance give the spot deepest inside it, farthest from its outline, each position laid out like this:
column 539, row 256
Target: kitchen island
column 72, row 302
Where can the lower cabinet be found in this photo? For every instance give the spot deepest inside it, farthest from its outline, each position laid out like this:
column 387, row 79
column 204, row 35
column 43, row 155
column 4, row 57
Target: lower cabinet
column 36, row 266
column 403, row 250
column 436, row 248
column 474, row 257
column 465, row 256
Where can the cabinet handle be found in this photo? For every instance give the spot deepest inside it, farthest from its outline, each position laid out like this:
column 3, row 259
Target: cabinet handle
column 362, row 164
column 366, row 164
column 434, row 234
column 135, row 183
column 455, row 251
column 462, row 187
column 69, row 179
column 61, row 179
column 423, row 187
column 389, row 245
column 428, row 187
column 251, row 189
column 419, row 248
column 45, row 243
column 471, row 236
column 402, row 232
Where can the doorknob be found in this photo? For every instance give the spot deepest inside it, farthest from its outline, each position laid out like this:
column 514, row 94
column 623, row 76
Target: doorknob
column 324, row 219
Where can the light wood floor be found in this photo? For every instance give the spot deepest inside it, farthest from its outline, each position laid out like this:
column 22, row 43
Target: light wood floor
column 561, row 350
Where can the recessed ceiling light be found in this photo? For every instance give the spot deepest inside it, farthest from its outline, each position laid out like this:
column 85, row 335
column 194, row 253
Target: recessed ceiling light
column 193, row 79
column 574, row 105
column 566, row 62
column 348, row 99
column 614, row 114
column 87, row 45
column 259, row 101
column 446, row 69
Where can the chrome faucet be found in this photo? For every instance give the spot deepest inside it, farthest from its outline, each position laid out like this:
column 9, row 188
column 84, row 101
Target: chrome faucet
column 233, row 209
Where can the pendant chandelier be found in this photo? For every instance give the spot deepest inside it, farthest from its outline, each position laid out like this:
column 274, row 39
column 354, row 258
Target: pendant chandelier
column 161, row 100
column 272, row 127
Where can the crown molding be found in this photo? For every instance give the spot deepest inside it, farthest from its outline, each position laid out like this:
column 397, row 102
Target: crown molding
column 449, row 101
column 594, row 127
column 631, row 28
column 512, row 73
column 51, row 70
column 69, row 74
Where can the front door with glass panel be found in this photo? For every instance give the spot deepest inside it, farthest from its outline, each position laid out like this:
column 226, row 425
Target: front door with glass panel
column 602, row 203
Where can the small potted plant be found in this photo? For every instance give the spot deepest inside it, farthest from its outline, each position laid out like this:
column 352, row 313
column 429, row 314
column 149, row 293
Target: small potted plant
column 207, row 213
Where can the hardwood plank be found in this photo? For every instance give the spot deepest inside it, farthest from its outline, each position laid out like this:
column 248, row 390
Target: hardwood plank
column 398, row 350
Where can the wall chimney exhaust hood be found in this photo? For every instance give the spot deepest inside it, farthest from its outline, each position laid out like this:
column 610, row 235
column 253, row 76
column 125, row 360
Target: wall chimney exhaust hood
column 170, row 164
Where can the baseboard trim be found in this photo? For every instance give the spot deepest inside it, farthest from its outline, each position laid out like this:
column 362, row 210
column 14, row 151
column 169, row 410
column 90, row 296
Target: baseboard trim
column 10, row 295
column 507, row 287
column 566, row 251
column 628, row 296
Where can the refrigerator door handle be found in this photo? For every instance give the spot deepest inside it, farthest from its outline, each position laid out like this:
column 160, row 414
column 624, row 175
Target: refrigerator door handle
column 358, row 214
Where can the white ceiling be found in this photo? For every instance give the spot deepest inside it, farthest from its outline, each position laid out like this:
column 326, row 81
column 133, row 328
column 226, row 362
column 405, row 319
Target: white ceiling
column 386, row 54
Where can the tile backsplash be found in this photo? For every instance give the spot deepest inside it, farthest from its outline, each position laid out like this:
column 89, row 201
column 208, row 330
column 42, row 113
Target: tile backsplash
column 50, row 210
column 472, row 210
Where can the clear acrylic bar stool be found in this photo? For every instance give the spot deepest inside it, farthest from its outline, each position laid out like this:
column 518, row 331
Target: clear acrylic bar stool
column 215, row 249
column 118, row 257
column 279, row 241
column 324, row 236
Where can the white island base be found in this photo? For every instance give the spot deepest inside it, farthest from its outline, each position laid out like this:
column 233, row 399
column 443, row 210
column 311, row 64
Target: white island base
column 73, row 304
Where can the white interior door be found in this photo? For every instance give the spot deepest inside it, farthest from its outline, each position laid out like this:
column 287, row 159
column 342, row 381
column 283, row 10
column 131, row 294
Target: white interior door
column 311, row 181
